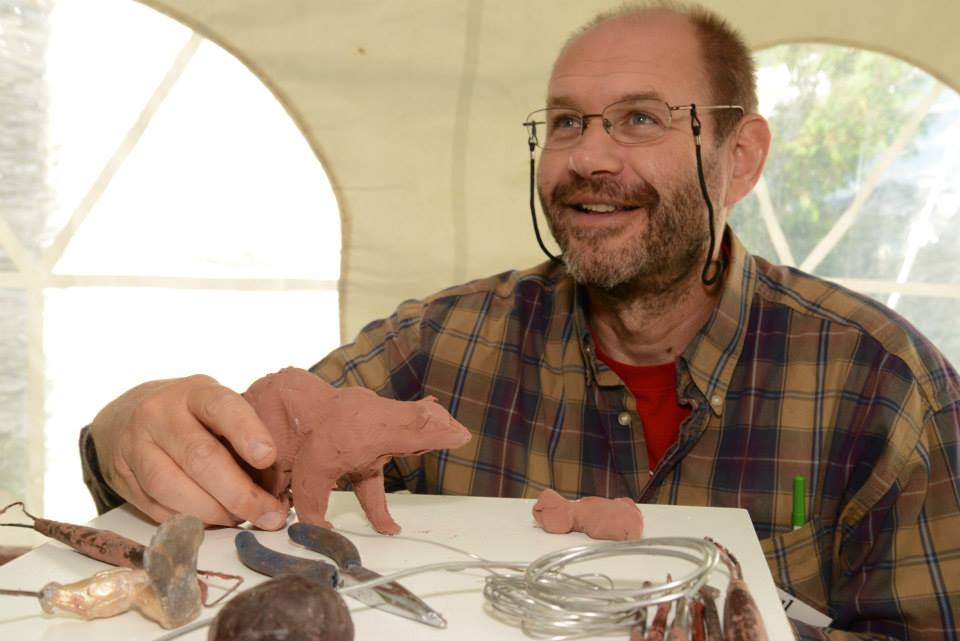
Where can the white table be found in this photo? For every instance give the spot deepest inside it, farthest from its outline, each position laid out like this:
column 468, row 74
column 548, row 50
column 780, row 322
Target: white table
column 497, row 529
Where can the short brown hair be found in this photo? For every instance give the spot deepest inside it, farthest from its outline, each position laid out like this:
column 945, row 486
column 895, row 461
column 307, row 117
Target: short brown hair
column 727, row 60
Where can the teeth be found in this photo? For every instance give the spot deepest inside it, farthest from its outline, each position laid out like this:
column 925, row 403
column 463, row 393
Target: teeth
column 604, row 209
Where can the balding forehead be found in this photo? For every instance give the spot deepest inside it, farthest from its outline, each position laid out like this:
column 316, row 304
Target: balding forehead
column 657, row 19
column 655, row 45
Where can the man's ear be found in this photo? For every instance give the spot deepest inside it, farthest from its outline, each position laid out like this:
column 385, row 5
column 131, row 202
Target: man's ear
column 751, row 142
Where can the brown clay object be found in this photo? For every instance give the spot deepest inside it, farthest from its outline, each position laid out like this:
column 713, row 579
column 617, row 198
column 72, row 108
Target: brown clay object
column 711, row 616
column 639, row 629
column 323, row 433
column 286, row 607
column 613, row 519
column 697, row 622
column 165, row 590
column 741, row 616
column 107, row 546
column 171, row 564
column 102, row 545
column 658, row 627
column 680, row 624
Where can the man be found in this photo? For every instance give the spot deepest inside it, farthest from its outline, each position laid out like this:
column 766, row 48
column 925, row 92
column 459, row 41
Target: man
column 653, row 363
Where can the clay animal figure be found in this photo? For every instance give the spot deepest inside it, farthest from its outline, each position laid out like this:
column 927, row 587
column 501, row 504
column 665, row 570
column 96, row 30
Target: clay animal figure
column 597, row 517
column 323, row 433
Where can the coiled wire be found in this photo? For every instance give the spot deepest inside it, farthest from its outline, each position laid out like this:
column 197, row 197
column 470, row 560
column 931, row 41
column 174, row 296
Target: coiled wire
column 550, row 603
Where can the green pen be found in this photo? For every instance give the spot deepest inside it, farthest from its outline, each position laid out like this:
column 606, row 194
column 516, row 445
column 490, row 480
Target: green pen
column 799, row 516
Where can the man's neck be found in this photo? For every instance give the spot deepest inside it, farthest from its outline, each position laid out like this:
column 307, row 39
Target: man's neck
column 651, row 329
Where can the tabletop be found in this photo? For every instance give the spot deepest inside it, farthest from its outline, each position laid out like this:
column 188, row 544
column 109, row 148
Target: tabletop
column 494, row 528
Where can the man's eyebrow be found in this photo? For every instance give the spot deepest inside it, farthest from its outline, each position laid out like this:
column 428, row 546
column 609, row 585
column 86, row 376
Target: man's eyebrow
column 559, row 101
column 566, row 101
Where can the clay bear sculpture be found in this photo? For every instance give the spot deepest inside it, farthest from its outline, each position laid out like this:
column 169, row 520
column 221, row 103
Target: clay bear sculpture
column 323, row 433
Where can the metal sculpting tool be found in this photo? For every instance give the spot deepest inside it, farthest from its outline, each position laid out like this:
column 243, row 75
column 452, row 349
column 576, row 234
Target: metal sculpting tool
column 391, row 597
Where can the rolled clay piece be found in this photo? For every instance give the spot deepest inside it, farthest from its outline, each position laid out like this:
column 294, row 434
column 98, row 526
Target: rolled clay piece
column 599, row 518
column 287, row 607
column 323, row 433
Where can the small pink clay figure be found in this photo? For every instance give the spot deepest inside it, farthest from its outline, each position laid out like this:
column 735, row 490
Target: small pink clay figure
column 599, row 518
column 323, row 433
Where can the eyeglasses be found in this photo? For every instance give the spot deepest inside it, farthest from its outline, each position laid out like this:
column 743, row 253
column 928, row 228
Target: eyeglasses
column 634, row 121
column 629, row 122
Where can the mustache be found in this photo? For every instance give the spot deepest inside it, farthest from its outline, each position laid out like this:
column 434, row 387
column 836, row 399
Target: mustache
column 643, row 196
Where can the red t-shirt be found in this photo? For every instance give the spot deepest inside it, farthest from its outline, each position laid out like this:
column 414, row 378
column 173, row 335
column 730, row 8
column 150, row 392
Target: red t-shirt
column 654, row 387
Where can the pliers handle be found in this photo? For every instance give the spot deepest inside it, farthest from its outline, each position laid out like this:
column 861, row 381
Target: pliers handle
column 262, row 559
column 391, row 597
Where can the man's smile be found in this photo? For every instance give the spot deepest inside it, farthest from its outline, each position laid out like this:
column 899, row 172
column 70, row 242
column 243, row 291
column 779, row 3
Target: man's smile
column 602, row 208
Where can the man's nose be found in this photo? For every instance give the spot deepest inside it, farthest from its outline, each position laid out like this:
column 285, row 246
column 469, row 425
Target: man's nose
column 596, row 152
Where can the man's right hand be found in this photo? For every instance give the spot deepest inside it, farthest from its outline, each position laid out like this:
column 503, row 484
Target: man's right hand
column 157, row 447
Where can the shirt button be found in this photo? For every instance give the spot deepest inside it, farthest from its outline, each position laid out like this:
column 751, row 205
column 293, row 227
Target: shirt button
column 716, row 401
column 624, row 419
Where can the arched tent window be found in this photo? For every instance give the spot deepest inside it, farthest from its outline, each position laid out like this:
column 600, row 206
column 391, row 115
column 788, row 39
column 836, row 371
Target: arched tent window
column 861, row 186
column 165, row 217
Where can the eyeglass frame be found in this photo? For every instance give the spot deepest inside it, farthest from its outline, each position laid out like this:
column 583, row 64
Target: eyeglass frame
column 695, row 127
column 607, row 125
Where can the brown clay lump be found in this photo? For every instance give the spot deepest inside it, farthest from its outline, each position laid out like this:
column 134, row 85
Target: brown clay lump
column 323, row 433
column 282, row 609
column 597, row 517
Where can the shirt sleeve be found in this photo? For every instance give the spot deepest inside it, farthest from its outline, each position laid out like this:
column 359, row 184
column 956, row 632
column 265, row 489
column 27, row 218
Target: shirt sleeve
column 103, row 495
column 388, row 357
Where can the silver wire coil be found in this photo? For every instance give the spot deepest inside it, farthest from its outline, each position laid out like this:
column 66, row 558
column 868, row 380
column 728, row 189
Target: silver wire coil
column 549, row 603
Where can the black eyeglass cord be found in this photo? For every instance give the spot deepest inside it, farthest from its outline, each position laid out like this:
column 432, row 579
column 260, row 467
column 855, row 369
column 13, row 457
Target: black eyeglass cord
column 695, row 126
column 721, row 264
column 533, row 211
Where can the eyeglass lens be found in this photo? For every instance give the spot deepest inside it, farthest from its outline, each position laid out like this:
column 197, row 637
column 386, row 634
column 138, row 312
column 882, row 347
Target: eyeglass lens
column 630, row 122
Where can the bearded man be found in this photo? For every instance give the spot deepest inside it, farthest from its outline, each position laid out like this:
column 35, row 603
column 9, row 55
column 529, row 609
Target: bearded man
column 656, row 359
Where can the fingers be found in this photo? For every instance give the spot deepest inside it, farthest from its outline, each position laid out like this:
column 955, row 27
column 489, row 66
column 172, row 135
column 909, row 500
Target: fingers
column 139, row 499
column 228, row 414
column 186, row 468
column 216, row 478
column 164, row 459
column 163, row 482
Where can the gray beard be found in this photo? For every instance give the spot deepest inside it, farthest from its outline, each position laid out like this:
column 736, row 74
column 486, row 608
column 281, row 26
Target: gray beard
column 669, row 251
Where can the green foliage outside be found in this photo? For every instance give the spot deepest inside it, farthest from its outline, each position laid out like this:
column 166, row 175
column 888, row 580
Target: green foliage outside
column 840, row 110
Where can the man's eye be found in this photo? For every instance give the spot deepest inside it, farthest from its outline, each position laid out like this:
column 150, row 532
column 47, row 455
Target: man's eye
column 566, row 121
column 639, row 119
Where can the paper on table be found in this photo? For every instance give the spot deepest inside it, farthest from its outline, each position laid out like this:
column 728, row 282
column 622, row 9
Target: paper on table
column 497, row 529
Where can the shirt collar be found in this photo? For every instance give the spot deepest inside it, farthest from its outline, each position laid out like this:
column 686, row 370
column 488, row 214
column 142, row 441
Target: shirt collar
column 581, row 326
column 712, row 355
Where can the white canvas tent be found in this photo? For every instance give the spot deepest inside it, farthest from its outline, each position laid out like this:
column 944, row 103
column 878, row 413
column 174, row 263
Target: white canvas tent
column 414, row 107
column 414, row 110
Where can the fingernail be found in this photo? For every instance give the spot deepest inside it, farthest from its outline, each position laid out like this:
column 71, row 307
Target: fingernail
column 270, row 521
column 259, row 450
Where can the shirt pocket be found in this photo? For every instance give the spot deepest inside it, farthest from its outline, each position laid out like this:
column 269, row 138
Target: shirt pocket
column 801, row 561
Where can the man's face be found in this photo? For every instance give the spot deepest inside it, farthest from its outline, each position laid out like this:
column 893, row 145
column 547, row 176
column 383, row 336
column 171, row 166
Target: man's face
column 630, row 219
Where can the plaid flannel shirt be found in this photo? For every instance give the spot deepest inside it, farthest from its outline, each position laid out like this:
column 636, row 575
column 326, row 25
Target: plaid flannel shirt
column 791, row 376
